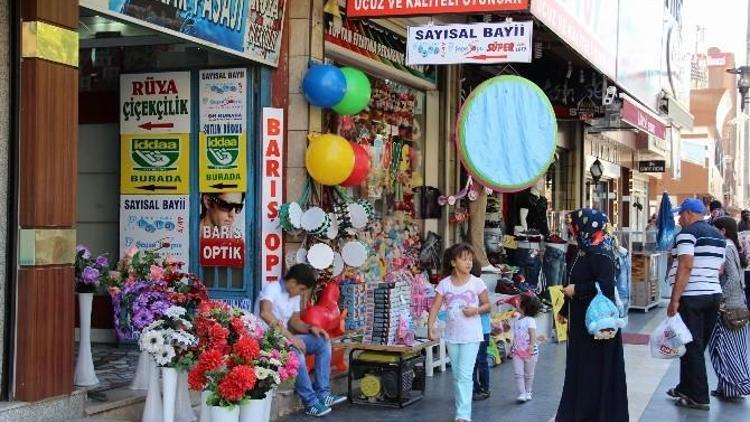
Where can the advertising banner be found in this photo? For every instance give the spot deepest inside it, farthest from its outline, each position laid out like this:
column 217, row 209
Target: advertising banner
column 588, row 26
column 156, row 164
column 247, row 28
column 376, row 43
column 223, row 136
column 501, row 42
column 155, row 223
column 380, row 8
column 155, row 103
column 222, row 229
column 641, row 118
column 272, row 194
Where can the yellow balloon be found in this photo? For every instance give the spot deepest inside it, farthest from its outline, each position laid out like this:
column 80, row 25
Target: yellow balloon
column 329, row 159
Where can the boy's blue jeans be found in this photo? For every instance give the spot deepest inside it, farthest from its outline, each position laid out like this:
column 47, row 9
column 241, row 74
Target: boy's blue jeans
column 312, row 392
column 482, row 368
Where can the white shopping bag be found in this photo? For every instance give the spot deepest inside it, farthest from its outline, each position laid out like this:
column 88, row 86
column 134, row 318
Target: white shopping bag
column 669, row 339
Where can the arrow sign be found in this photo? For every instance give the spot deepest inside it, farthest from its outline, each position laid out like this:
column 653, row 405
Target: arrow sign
column 485, row 57
column 151, row 125
column 153, row 188
column 223, row 186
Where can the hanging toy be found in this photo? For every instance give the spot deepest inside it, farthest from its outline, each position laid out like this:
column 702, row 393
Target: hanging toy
column 329, row 159
column 361, row 167
column 324, row 85
column 358, row 92
column 466, row 191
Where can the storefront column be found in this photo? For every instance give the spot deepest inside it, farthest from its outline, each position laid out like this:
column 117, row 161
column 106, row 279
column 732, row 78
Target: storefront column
column 44, row 336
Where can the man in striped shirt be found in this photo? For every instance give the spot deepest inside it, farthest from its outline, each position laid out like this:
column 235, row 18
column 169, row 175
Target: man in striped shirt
column 697, row 259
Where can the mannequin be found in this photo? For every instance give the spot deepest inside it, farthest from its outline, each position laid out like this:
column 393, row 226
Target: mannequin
column 532, row 211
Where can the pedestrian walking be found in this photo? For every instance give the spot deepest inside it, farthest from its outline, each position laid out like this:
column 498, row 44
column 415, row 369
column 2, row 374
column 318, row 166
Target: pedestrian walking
column 698, row 254
column 728, row 345
column 595, row 388
column 465, row 297
column 744, row 221
column 482, row 364
column 524, row 349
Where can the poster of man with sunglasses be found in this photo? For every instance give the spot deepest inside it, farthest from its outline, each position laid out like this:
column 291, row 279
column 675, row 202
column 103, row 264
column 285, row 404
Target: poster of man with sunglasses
column 222, row 229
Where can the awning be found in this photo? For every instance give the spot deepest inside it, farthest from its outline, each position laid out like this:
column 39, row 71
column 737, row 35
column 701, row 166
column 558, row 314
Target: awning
column 642, row 118
column 679, row 114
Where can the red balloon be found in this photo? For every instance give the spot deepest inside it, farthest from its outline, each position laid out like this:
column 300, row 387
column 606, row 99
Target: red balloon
column 361, row 167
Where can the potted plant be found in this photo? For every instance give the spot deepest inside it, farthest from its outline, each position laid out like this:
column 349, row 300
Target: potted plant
column 90, row 273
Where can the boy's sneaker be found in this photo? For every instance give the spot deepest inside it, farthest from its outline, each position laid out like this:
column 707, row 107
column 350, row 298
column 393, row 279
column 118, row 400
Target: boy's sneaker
column 317, row 409
column 528, row 396
column 332, row 400
column 521, row 398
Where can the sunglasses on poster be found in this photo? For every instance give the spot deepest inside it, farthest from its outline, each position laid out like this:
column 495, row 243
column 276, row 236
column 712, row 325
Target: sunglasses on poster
column 226, row 206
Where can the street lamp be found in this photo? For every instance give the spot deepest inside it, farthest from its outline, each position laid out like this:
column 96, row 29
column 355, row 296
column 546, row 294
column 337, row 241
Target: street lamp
column 596, row 170
column 743, row 83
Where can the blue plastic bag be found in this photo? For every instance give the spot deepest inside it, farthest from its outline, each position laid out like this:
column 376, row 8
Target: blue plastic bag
column 603, row 318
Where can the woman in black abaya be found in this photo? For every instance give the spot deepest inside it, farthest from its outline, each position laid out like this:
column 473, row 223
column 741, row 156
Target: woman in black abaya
column 595, row 389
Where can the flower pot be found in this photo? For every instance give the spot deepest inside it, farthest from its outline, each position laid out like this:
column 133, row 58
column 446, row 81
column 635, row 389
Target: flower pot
column 253, row 411
column 141, row 378
column 183, row 407
column 205, row 408
column 152, row 410
column 85, row 375
column 268, row 401
column 225, row 414
column 169, row 392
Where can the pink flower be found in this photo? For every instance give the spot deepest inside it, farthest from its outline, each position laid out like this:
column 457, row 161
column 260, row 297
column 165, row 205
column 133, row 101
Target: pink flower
column 156, row 273
column 275, row 354
column 131, row 251
column 115, row 275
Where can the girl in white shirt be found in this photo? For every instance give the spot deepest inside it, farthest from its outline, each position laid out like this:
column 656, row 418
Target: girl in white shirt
column 464, row 298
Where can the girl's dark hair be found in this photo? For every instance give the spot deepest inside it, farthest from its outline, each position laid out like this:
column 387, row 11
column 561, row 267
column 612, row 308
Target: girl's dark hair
column 530, row 305
column 730, row 226
column 454, row 252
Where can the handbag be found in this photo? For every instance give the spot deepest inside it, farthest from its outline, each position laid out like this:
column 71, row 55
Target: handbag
column 736, row 318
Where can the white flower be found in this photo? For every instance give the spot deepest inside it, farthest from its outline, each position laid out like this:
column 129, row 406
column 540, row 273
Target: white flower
column 175, row 312
column 183, row 338
column 152, row 341
column 595, row 224
column 263, row 373
column 165, row 356
column 274, row 362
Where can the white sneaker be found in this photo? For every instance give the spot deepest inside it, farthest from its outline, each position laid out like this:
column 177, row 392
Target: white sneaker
column 528, row 396
column 522, row 398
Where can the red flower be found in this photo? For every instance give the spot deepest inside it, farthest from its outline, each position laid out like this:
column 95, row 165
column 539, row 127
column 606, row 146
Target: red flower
column 217, row 332
column 247, row 348
column 211, row 360
column 197, row 379
column 236, row 383
column 237, row 325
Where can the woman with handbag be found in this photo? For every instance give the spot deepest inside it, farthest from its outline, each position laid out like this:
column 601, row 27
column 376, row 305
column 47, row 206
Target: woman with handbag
column 728, row 345
column 595, row 389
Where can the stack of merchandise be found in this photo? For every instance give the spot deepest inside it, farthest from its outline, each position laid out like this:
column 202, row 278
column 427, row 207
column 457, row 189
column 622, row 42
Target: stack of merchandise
column 387, row 305
column 354, row 301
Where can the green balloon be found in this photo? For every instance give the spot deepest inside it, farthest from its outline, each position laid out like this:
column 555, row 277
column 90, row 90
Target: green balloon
column 358, row 92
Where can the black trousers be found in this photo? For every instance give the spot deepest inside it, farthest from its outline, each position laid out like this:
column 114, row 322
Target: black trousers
column 699, row 314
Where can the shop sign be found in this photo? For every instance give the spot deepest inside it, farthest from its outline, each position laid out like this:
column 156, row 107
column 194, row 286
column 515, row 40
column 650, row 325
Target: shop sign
column 223, row 136
column 155, row 103
column 716, row 59
column 639, row 49
column 502, row 42
column 639, row 117
column 248, row 28
column 375, row 42
column 272, row 194
column 653, row 166
column 155, row 223
column 154, row 163
column 222, row 229
column 588, row 26
column 380, row 8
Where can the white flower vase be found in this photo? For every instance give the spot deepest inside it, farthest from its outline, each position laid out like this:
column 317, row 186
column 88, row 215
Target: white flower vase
column 183, row 405
column 205, row 408
column 268, row 401
column 169, row 392
column 253, row 411
column 141, row 378
column 152, row 410
column 85, row 375
column 225, row 414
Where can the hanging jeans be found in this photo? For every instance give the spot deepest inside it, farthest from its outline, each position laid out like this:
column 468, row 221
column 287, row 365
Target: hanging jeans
column 463, row 356
column 529, row 263
column 553, row 265
column 623, row 278
column 312, row 392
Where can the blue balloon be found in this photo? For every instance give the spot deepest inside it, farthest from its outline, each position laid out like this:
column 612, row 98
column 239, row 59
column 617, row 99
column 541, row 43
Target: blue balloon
column 324, row 85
